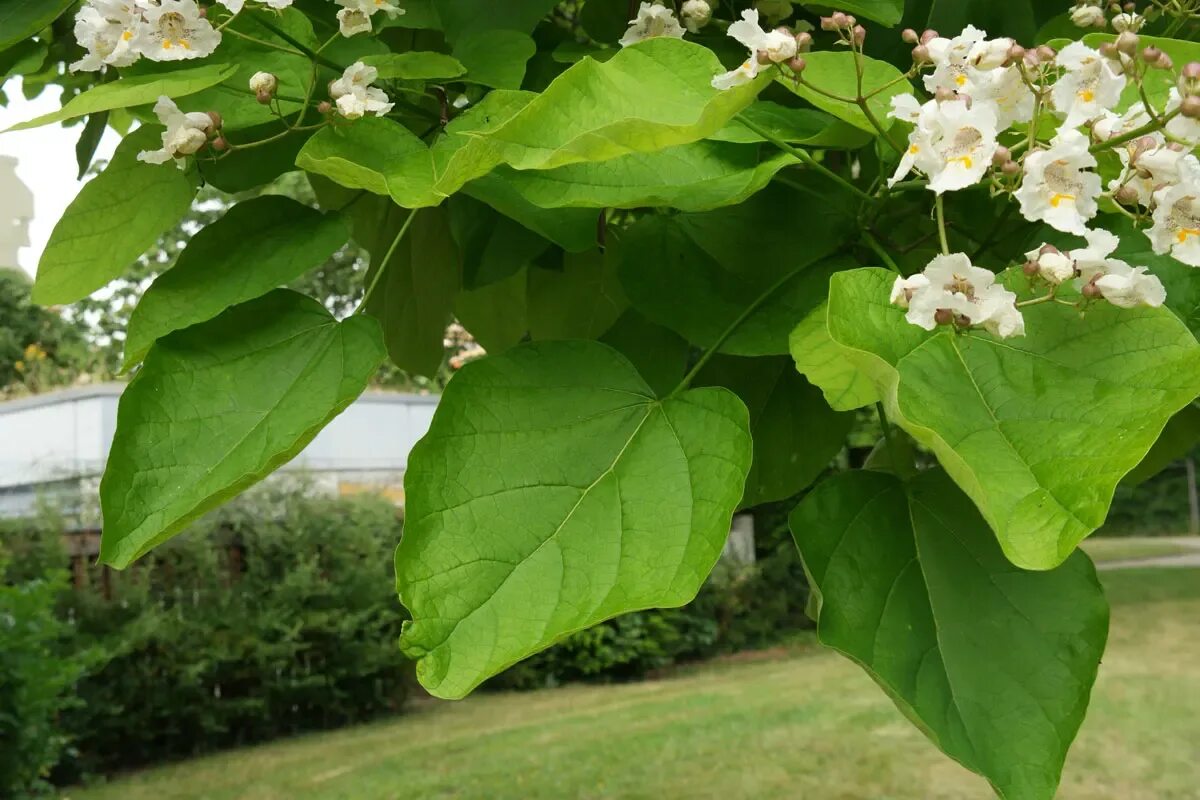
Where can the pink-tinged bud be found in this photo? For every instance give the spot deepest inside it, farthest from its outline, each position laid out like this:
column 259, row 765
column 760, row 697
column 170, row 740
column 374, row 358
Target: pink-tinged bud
column 1126, row 195
column 216, row 120
column 324, row 107
column 1091, row 291
column 1016, row 53
column 1151, row 55
column 264, row 97
column 1032, row 59
column 1109, row 50
column 962, row 321
column 1128, row 43
column 1190, row 107
column 944, row 94
column 798, row 64
column 1046, row 53
column 764, row 58
column 928, row 36
column 1129, row 8
column 220, row 145
column 1048, row 249
column 1001, row 157
column 1144, row 143
column 203, row 13
column 1030, row 268
column 851, row 21
column 840, row 20
column 943, row 316
column 860, row 34
column 1011, row 168
column 921, row 54
column 827, row 24
column 910, row 36
column 804, row 42
column 1191, row 70
column 1165, row 62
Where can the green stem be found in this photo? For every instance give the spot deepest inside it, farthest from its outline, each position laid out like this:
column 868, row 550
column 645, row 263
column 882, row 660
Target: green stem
column 1149, row 127
column 264, row 43
column 803, row 156
column 387, row 259
column 874, row 244
column 941, row 223
column 299, row 45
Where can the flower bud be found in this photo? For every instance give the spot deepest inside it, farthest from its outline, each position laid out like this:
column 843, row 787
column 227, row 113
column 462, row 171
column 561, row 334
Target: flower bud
column 216, row 120
column 263, row 82
column 1165, row 62
column 944, row 94
column 1151, row 55
column 324, row 107
column 1087, row 16
column 1030, row 268
column 220, row 145
column 264, row 98
column 1048, row 249
column 921, row 54
column 851, row 21
column 910, row 36
column 1109, row 50
column 203, row 14
column 839, row 20
column 804, row 42
column 1126, row 195
column 1091, row 291
column 827, row 24
column 1011, row 168
column 764, row 58
column 1191, row 70
column 1046, row 53
column 695, row 14
column 1001, row 157
column 1128, row 43
column 1190, row 107
column 943, row 316
column 1016, row 53
column 928, row 36
column 1127, row 22
column 860, row 35
column 797, row 64
column 1032, row 59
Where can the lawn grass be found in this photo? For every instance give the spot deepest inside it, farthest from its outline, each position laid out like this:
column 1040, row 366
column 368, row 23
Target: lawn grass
column 800, row 723
column 1104, row 550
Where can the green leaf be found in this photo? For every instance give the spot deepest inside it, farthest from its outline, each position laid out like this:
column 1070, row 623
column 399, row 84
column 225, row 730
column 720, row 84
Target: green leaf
column 888, row 12
column 1037, row 430
column 495, row 58
column 116, row 217
column 796, row 434
column 259, row 245
column 415, row 296
column 659, row 353
column 580, row 301
column 493, row 246
column 693, row 177
column 415, row 66
column 1177, row 441
column 554, row 491
column 834, row 72
column 89, row 140
column 994, row 664
column 138, row 90
column 605, row 20
column 462, row 17
column 735, row 268
column 21, row 19
column 249, row 168
column 820, row 358
column 497, row 314
column 572, row 229
column 803, row 126
column 221, row 405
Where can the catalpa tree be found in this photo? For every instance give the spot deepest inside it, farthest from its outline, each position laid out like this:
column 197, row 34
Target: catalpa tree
column 693, row 239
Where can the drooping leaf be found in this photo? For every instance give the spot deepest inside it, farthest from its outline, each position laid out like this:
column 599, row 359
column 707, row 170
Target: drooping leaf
column 89, row 140
column 796, row 434
column 495, row 58
column 415, row 66
column 493, row 245
column 693, row 177
column 22, row 19
column 994, row 664
column 820, row 358
column 572, row 229
column 750, row 267
column 415, row 297
column 834, row 72
column 221, row 405
column 804, row 126
column 1037, row 430
column 138, row 90
column 554, row 491
column 116, row 217
column 1178, row 439
column 580, row 301
column 259, row 245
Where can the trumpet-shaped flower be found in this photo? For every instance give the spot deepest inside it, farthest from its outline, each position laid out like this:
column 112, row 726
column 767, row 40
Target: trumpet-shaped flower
column 355, row 15
column 1089, row 86
column 773, row 46
column 174, row 30
column 1128, row 287
column 1058, row 189
column 1176, row 228
column 1054, row 266
column 1092, row 260
column 106, row 31
column 185, row 134
column 951, row 59
column 652, row 21
column 1180, row 127
column 354, row 95
column 952, row 144
column 951, row 289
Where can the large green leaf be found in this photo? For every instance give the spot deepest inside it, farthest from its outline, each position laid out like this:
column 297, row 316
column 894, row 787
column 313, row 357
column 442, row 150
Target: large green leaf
column 220, row 406
column 496, row 58
column 992, row 663
column 116, row 217
column 415, row 66
column 257, row 246
column 580, row 301
column 415, row 296
column 1178, row 439
column 820, row 358
column 796, row 434
column 805, row 126
column 497, row 314
column 692, row 177
column 1037, row 430
column 737, row 268
column 1182, row 282
column 572, row 229
column 554, row 491
column 834, row 72
column 21, row 19
column 592, row 112
column 138, row 90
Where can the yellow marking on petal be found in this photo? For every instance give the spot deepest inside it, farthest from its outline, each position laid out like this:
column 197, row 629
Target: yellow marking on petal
column 1057, row 199
column 1184, row 233
column 1087, row 95
column 166, row 44
column 966, row 161
column 961, row 80
column 914, row 149
column 127, row 35
column 185, row 44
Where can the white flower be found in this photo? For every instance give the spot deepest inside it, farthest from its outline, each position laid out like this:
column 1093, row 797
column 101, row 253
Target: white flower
column 1005, row 91
column 263, row 83
column 776, row 46
column 1146, row 171
column 1054, row 266
column 971, row 64
column 185, row 133
column 1093, row 259
column 950, row 59
column 1109, row 124
column 354, row 95
column 1128, row 22
column 1128, row 287
column 106, row 31
column 1089, row 86
column 1176, row 228
column 352, row 22
column 355, row 15
column 1088, row 16
column 774, row 10
column 951, row 285
column 652, row 21
column 952, row 144
column 989, row 54
column 696, row 14
column 174, row 31
column 1057, row 188
column 1183, row 128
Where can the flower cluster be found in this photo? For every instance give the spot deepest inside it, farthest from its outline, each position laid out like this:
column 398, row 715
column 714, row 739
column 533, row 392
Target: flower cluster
column 354, row 95
column 355, row 15
column 767, row 49
column 1096, row 272
column 119, row 32
column 951, row 291
column 185, row 134
column 655, row 20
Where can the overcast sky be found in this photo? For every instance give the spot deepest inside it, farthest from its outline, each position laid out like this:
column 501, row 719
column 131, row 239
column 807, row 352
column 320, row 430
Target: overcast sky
column 45, row 162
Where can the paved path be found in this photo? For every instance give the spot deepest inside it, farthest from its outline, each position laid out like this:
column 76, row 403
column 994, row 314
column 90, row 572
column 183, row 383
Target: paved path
column 1180, row 560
